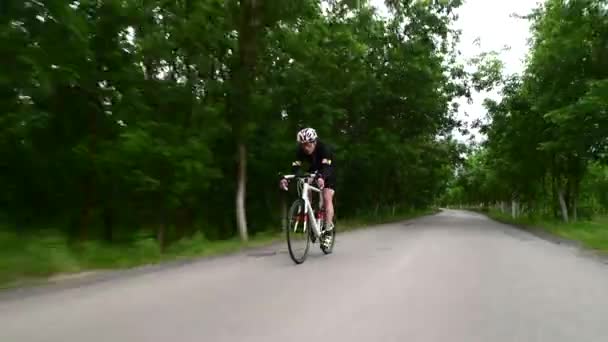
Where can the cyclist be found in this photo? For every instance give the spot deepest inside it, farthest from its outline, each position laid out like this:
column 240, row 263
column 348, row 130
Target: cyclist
column 319, row 157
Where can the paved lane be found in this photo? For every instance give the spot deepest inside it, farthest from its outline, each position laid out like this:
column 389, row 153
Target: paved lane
column 455, row 276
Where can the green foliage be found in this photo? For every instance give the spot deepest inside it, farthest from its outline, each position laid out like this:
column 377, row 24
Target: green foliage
column 121, row 117
column 592, row 234
column 547, row 139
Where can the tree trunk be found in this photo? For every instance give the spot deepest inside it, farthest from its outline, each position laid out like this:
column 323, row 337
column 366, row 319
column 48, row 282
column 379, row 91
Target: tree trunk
column 574, row 208
column 160, row 236
column 241, row 217
column 243, row 76
column 574, row 198
column 514, row 208
column 108, row 224
column 568, row 194
column 85, row 215
column 562, row 203
column 161, row 233
column 554, row 191
column 90, row 187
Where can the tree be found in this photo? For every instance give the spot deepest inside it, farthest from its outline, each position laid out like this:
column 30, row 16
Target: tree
column 551, row 123
column 121, row 118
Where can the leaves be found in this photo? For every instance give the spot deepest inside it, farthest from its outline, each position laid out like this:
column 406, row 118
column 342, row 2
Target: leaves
column 120, row 109
column 551, row 125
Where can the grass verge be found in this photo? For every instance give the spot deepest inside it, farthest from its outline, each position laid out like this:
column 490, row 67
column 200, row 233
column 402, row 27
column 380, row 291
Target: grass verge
column 48, row 256
column 26, row 260
column 592, row 234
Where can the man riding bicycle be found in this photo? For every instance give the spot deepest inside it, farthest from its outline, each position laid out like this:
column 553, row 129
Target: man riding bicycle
column 320, row 158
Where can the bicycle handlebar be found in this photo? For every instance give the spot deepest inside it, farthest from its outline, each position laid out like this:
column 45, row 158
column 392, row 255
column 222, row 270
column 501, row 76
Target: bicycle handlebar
column 303, row 175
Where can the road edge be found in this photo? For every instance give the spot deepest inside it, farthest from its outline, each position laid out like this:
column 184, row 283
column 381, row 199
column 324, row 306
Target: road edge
column 63, row 282
column 544, row 234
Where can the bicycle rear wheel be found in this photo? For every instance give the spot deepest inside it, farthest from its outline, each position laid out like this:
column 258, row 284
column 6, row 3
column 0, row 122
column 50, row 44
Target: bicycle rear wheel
column 298, row 232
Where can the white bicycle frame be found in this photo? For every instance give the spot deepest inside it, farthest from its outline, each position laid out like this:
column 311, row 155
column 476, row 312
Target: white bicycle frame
column 303, row 189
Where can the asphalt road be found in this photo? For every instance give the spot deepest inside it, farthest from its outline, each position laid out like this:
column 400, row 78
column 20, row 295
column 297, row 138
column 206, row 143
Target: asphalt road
column 454, row 276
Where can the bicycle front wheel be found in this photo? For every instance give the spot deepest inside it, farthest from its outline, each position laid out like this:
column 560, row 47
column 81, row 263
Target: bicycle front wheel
column 298, row 232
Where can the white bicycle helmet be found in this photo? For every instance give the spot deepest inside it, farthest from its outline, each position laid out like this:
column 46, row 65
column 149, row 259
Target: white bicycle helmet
column 307, row 135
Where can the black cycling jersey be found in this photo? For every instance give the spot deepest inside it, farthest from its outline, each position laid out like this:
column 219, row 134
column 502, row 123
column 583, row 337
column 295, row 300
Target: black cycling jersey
column 320, row 160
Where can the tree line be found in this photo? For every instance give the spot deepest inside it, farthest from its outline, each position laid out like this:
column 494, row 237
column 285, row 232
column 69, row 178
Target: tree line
column 546, row 150
column 175, row 117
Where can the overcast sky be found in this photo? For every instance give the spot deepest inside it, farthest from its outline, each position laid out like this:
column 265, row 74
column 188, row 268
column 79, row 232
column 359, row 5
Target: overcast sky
column 491, row 22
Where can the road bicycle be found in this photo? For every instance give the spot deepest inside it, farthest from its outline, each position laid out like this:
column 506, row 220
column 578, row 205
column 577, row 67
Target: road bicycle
column 302, row 216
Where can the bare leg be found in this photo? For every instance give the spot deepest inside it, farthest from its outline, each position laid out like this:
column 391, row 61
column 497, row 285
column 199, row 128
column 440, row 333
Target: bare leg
column 328, row 200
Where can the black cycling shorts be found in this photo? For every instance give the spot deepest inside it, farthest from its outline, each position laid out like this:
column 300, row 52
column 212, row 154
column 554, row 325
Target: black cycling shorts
column 330, row 182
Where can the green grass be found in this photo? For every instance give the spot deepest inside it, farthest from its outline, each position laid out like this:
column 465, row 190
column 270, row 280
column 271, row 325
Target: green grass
column 35, row 258
column 28, row 259
column 592, row 234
